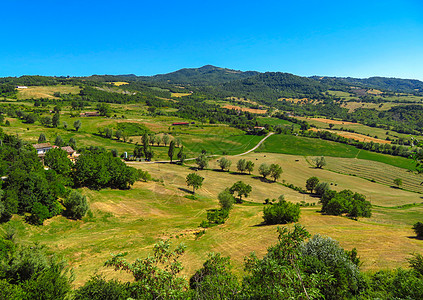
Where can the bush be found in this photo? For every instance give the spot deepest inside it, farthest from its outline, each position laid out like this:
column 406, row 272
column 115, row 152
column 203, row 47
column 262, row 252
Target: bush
column 418, row 229
column 321, row 188
column 98, row 288
column 76, row 205
column 281, row 212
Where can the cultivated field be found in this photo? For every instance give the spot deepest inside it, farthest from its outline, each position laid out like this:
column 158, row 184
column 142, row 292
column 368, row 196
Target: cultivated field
column 251, row 110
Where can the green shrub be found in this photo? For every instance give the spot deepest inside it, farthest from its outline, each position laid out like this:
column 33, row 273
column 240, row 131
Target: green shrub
column 281, row 212
column 75, row 205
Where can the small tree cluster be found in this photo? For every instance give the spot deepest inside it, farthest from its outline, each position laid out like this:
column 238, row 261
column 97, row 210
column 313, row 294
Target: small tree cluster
column 241, row 189
column 244, row 165
column 281, row 212
column 352, row 204
column 274, row 170
column 225, row 164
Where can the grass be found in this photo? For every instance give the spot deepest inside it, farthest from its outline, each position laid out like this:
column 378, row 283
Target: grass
column 133, row 220
column 360, row 128
column 46, row 91
column 296, row 145
column 372, row 170
column 276, row 121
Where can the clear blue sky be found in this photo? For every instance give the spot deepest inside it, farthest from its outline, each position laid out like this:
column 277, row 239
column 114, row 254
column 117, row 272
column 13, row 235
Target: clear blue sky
column 333, row 38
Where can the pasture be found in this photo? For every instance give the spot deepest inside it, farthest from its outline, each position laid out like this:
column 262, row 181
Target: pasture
column 296, row 145
column 133, row 220
column 34, row 92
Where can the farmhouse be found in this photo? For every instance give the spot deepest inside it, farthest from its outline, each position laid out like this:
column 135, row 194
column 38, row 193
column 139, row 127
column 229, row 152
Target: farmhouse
column 42, row 148
column 21, row 87
column 180, row 123
column 90, row 114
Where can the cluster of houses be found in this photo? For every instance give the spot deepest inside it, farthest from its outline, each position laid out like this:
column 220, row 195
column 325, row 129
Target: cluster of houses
column 43, row 148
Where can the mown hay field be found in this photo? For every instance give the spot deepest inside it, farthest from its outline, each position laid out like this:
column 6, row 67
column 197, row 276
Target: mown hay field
column 34, row 92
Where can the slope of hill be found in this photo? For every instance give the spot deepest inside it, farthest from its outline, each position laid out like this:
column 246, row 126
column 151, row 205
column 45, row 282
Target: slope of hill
column 206, row 75
column 381, row 83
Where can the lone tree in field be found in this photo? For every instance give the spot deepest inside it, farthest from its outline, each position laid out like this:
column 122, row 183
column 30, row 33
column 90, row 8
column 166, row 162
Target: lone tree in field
column 202, row 161
column 171, row 150
column 41, row 138
column 194, row 180
column 75, row 205
column 56, row 119
column 181, row 155
column 275, row 171
column 77, row 124
column 418, row 229
column 320, row 162
column 226, row 199
column 224, row 163
column 311, row 183
column 241, row 189
column 249, row 166
column 241, row 165
column 264, row 170
column 59, row 141
column 398, row 182
column 281, row 212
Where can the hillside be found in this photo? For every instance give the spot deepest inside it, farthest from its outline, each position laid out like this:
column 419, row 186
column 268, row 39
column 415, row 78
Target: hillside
column 206, row 75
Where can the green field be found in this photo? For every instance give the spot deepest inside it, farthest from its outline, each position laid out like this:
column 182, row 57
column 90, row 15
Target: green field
column 295, row 145
column 133, row 220
column 276, row 121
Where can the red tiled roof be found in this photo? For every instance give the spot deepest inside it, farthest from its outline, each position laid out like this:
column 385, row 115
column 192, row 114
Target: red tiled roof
column 43, row 145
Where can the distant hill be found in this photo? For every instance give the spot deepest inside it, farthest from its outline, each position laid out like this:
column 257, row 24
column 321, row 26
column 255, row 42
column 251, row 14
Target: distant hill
column 381, row 83
column 206, row 75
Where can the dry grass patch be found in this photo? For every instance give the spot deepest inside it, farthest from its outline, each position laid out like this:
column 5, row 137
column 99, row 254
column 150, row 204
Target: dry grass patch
column 119, row 83
column 354, row 136
column 46, row 91
column 251, row 110
column 178, row 95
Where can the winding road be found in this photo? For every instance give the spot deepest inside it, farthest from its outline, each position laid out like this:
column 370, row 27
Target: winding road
column 168, row 161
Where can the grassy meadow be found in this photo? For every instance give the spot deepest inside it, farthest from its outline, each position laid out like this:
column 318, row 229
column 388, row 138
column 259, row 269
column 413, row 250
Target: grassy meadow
column 133, row 220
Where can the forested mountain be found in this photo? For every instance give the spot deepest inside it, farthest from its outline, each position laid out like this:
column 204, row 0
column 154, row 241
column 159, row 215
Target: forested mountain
column 206, row 75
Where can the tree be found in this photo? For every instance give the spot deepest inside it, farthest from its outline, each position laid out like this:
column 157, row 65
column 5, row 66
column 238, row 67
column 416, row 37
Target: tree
column 104, row 109
column 241, row 189
column 181, row 155
column 249, row 166
column 56, row 120
column 72, row 143
column 202, row 161
column 398, row 182
column 320, row 162
column 224, row 163
column 98, row 288
column 215, row 280
column 275, row 171
column 65, row 125
column 76, row 205
column 149, row 153
column 240, row 165
column 77, row 124
column 165, row 139
column 46, row 121
column 264, row 170
column 311, row 183
column 59, row 141
column 178, row 142
column 138, row 151
column 42, row 138
column 118, row 134
column 194, row 180
column 226, row 199
column 321, row 188
column 156, row 276
column 281, row 212
column 171, row 150
column 57, row 160
column 418, row 229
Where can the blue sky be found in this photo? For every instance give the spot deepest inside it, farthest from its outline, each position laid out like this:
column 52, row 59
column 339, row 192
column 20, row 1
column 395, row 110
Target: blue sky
column 332, row 38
